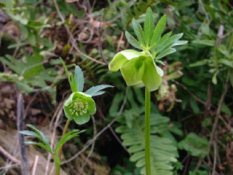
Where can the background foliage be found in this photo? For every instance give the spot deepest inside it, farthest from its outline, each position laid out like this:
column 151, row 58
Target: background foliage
column 192, row 110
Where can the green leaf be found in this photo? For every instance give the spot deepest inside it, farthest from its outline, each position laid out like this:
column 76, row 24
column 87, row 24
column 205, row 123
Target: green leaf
column 195, row 145
column 148, row 26
column 226, row 62
column 138, row 31
column 180, row 42
column 161, row 41
column 158, row 30
column 66, row 70
column 45, row 147
column 194, row 106
column 169, row 42
column 224, row 51
column 166, row 52
column 17, row 45
column 160, row 62
column 79, row 79
column 163, row 148
column 42, row 136
column 96, row 90
column 133, row 41
column 68, row 136
column 204, row 42
column 29, row 133
column 214, row 78
column 226, row 109
column 199, row 63
column 116, row 104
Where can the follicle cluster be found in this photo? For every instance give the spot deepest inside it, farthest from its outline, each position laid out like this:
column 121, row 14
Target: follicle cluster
column 78, row 107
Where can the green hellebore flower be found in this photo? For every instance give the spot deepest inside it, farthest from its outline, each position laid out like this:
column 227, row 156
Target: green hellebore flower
column 137, row 67
column 79, row 106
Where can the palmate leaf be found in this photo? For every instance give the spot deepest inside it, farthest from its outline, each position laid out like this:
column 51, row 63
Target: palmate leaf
column 150, row 38
column 163, row 144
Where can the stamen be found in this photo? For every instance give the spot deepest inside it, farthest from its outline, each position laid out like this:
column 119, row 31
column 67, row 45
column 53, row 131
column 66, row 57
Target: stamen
column 78, row 107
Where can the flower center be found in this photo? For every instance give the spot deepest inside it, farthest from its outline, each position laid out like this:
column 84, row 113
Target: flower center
column 78, row 107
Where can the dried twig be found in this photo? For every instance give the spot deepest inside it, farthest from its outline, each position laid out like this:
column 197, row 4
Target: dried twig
column 215, row 158
column 219, row 108
column 8, row 155
column 53, row 134
column 216, row 118
column 93, row 144
column 35, row 165
column 119, row 42
column 20, row 127
column 118, row 139
column 89, row 143
column 99, row 38
column 185, row 88
column 72, row 37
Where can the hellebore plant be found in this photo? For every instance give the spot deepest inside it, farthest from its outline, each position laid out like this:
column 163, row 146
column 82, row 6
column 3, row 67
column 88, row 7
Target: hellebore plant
column 78, row 107
column 140, row 67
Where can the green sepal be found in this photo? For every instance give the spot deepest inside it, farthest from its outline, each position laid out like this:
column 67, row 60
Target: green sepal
column 121, row 58
column 80, row 120
column 136, row 68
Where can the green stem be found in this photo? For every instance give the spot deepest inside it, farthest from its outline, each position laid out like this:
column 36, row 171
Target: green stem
column 147, row 131
column 57, row 164
column 57, row 158
column 57, row 169
column 63, row 133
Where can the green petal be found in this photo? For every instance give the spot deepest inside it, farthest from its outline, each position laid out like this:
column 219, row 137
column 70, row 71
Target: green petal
column 80, row 120
column 132, row 71
column 121, row 58
column 152, row 75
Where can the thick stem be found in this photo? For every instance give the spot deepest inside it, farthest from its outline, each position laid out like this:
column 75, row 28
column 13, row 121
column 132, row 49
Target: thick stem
column 63, row 133
column 147, row 131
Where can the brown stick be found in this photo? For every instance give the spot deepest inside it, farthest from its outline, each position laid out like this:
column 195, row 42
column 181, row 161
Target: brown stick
column 20, row 127
column 185, row 88
column 8, row 155
column 219, row 109
column 72, row 37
